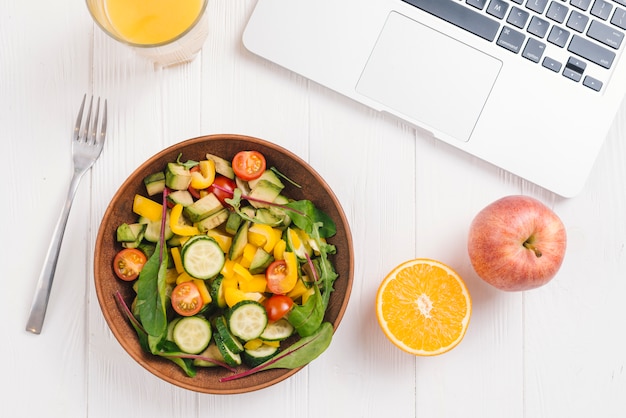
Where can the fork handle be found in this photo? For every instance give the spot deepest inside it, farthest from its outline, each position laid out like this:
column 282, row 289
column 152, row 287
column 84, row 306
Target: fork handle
column 44, row 284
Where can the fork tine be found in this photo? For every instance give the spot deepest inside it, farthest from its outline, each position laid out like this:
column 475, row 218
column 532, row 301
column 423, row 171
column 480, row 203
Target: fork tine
column 85, row 136
column 103, row 130
column 92, row 138
column 79, row 119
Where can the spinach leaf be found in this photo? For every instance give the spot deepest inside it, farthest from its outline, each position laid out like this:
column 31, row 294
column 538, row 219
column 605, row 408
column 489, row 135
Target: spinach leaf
column 298, row 354
column 306, row 319
column 151, row 293
column 169, row 350
column 308, row 217
column 189, row 164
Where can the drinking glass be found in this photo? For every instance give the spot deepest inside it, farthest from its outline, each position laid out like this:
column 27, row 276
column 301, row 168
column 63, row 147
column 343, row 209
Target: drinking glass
column 167, row 32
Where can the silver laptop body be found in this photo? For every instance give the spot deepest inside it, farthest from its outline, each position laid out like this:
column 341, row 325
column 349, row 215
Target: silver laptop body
column 531, row 86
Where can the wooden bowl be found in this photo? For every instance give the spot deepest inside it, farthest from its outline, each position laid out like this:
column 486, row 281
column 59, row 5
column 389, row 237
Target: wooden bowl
column 313, row 188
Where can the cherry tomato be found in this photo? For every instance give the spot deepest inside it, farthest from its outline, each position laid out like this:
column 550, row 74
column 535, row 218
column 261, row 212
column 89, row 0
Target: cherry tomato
column 222, row 188
column 248, row 165
column 186, row 299
column 280, row 279
column 128, row 263
column 278, row 306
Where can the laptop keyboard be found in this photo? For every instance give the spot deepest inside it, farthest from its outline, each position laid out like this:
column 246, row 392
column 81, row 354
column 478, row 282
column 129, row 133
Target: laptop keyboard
column 562, row 36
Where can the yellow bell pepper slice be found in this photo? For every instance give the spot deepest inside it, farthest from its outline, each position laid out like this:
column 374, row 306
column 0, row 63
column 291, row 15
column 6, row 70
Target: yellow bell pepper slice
column 306, row 295
column 229, row 282
column 242, row 272
column 248, row 254
column 204, row 292
column 147, row 208
column 179, row 228
column 205, row 177
column 253, row 344
column 178, row 262
column 279, row 249
column 183, row 277
column 263, row 236
column 233, row 296
column 227, row 270
column 258, row 283
column 224, row 241
column 306, row 240
column 298, row 290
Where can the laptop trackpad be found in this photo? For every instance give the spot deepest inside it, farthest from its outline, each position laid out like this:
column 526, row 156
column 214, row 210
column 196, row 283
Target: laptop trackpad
column 428, row 77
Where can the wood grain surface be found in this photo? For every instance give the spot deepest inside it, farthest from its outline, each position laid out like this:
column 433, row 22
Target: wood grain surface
column 557, row 351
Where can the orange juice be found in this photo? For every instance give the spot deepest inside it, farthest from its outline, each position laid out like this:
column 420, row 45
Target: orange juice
column 148, row 22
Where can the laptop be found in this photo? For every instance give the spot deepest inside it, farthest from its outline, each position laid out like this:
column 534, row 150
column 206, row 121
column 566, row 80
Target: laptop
column 531, row 86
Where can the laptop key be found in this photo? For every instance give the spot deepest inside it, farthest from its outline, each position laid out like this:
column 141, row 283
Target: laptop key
column 574, row 69
column 551, row 64
column 592, row 83
column 558, row 36
column 538, row 26
column 533, row 50
column 518, row 17
column 581, row 4
column 537, row 6
column 459, row 15
column 577, row 21
column 557, row 12
column 601, row 9
column 619, row 18
column 497, row 8
column 586, row 49
column 605, row 34
column 479, row 4
column 511, row 39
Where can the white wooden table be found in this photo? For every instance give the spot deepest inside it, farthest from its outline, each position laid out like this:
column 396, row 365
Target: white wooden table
column 557, row 351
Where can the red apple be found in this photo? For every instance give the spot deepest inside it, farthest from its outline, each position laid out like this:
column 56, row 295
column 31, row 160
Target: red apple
column 516, row 243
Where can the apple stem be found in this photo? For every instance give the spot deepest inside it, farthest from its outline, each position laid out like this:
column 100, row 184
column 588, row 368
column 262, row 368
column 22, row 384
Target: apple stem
column 534, row 249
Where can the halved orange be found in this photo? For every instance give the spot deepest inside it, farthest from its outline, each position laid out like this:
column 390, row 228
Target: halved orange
column 423, row 307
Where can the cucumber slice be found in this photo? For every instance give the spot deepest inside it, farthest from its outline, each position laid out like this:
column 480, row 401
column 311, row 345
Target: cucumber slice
column 177, row 177
column 277, row 331
column 233, row 222
column 239, row 241
column 192, row 334
column 217, row 292
column 202, row 257
column 259, row 355
column 247, row 320
column 155, row 183
column 152, row 232
column 203, row 208
column 260, row 261
column 222, row 166
column 211, row 352
column 230, row 358
column 130, row 235
column 213, row 221
column 295, row 244
column 180, row 196
column 229, row 339
column 170, row 328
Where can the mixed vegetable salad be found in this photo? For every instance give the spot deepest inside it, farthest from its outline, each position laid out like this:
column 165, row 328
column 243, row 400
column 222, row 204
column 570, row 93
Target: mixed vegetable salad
column 226, row 268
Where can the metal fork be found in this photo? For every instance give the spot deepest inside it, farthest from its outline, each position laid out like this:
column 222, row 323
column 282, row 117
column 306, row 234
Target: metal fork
column 87, row 144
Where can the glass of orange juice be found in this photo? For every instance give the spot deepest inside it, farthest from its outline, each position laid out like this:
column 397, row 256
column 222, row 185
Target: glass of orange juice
column 167, row 32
